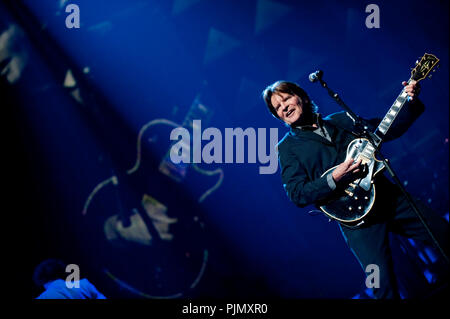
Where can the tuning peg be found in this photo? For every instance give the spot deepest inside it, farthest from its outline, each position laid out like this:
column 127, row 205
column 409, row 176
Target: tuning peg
column 417, row 62
column 430, row 76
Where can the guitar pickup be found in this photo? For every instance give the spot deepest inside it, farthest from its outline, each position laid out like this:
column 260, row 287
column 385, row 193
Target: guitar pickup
column 349, row 193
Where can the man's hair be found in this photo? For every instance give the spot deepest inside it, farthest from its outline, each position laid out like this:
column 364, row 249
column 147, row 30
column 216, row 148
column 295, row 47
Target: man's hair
column 290, row 88
column 49, row 270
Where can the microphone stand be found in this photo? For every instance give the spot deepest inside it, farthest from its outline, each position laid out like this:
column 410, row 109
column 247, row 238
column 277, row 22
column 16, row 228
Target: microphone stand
column 363, row 128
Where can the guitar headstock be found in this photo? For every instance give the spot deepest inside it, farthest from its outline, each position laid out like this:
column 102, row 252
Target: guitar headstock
column 423, row 67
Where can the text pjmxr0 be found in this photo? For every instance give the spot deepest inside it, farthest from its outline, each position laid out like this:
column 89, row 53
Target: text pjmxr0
column 232, row 309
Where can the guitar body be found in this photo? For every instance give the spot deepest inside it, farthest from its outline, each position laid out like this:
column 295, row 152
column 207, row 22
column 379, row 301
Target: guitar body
column 353, row 203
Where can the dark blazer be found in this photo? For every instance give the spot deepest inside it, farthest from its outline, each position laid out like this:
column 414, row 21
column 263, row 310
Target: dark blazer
column 304, row 155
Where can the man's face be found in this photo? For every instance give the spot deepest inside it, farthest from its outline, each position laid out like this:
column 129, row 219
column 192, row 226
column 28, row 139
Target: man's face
column 289, row 107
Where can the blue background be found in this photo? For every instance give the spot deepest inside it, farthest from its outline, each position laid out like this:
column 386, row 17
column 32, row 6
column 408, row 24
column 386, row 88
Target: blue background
column 151, row 58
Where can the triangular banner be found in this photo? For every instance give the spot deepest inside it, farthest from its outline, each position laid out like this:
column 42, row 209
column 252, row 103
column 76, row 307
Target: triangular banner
column 69, row 80
column 218, row 45
column 267, row 13
column 181, row 5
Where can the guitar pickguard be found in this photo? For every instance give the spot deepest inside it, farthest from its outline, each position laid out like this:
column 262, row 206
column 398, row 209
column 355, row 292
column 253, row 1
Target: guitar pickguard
column 354, row 202
column 362, row 149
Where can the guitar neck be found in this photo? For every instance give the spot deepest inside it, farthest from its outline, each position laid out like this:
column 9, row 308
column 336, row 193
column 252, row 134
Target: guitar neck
column 390, row 116
column 197, row 111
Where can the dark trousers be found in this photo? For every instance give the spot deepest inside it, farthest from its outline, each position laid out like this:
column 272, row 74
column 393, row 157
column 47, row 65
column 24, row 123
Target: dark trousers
column 391, row 213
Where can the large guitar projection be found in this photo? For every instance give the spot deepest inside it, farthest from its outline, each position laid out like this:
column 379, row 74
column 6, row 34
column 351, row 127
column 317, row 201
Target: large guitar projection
column 151, row 235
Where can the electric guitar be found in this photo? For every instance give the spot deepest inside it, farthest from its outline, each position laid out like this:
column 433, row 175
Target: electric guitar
column 351, row 204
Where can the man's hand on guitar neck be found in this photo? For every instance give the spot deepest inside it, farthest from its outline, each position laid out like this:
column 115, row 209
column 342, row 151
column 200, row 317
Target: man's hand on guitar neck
column 412, row 89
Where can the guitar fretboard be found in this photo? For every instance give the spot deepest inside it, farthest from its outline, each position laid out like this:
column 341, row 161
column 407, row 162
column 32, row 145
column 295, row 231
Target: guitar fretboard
column 386, row 123
column 390, row 116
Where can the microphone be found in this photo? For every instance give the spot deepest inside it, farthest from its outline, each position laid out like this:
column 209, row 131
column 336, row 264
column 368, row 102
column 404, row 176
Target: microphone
column 313, row 77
